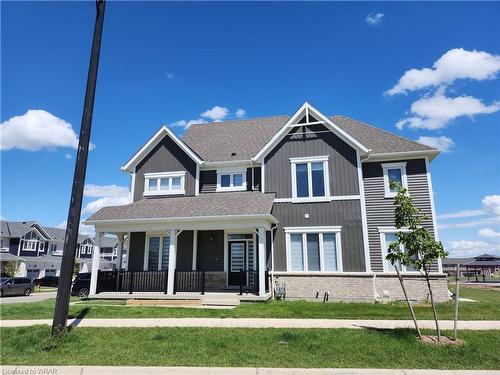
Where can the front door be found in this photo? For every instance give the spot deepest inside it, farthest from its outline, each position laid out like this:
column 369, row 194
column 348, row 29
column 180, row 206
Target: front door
column 237, row 261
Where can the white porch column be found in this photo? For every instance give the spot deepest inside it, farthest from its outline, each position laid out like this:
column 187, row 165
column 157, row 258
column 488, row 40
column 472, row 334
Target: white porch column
column 121, row 239
column 96, row 256
column 172, row 261
column 262, row 261
column 195, row 249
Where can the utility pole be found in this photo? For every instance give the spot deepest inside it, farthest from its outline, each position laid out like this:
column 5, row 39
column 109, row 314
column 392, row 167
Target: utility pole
column 75, row 206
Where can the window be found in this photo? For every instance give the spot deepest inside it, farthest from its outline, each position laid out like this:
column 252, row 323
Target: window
column 310, row 178
column 231, row 180
column 42, row 246
column 156, row 256
column 388, row 236
column 314, row 249
column 164, row 183
column 30, row 245
column 394, row 172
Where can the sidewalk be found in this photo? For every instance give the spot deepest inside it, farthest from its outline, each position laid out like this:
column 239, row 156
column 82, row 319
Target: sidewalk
column 113, row 370
column 261, row 323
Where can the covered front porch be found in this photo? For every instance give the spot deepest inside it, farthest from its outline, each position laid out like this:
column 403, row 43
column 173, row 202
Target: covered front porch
column 223, row 257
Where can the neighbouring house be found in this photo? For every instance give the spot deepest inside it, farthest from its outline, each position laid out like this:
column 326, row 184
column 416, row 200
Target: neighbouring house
column 481, row 265
column 38, row 249
column 301, row 204
column 450, row 264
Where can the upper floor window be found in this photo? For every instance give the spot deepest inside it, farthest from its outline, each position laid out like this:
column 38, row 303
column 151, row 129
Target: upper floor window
column 30, row 245
column 394, row 172
column 231, row 180
column 310, row 178
column 164, row 183
column 313, row 249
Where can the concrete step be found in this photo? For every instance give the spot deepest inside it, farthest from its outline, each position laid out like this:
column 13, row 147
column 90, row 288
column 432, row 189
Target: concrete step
column 220, row 301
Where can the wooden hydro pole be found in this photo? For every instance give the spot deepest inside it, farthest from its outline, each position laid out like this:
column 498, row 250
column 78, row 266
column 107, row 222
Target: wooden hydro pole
column 75, row 206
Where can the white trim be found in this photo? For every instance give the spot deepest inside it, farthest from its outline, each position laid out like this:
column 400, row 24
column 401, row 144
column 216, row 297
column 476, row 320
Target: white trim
column 95, row 263
column 225, row 258
column 132, row 184
column 305, row 109
column 197, row 181
column 31, row 248
column 364, row 220
column 320, row 231
column 231, row 172
column 195, row 250
column 153, row 141
column 389, row 156
column 164, row 175
column 404, row 178
column 433, row 210
column 263, row 176
column 318, row 199
column 226, row 164
column 172, row 261
column 326, row 178
column 392, row 229
column 262, row 261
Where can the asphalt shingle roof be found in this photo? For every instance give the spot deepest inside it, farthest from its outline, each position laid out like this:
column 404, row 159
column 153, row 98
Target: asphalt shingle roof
column 19, row 228
column 217, row 141
column 215, row 204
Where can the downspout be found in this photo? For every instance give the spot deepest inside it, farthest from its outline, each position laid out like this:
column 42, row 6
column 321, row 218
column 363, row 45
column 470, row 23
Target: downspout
column 251, row 166
column 271, row 286
column 376, row 296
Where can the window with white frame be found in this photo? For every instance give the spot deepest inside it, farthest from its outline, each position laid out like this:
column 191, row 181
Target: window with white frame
column 30, row 245
column 41, row 246
column 387, row 237
column 394, row 172
column 164, row 183
column 310, row 179
column 157, row 253
column 231, row 180
column 314, row 249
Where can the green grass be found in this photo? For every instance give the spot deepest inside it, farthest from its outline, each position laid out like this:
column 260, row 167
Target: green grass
column 487, row 308
column 245, row 347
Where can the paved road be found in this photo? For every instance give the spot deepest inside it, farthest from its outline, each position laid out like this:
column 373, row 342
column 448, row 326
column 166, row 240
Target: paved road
column 261, row 323
column 121, row 370
column 36, row 297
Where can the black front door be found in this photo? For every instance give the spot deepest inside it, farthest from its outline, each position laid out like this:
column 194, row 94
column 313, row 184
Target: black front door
column 237, row 261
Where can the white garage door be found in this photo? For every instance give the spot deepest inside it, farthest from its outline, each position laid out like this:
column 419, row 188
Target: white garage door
column 33, row 273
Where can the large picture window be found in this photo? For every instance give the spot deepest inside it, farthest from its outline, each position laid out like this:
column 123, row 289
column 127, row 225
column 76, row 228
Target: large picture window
column 314, row 249
column 387, row 237
column 310, row 179
column 164, row 183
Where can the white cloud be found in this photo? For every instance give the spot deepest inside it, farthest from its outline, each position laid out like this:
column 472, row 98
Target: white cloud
column 461, row 214
column 488, row 233
column 466, row 248
column 83, row 229
column 35, row 130
column 108, row 195
column 455, row 64
column 435, row 112
column 490, row 207
column 470, row 224
column 170, row 75
column 68, row 156
column 491, row 204
column 374, row 19
column 442, row 143
column 240, row 113
column 217, row 113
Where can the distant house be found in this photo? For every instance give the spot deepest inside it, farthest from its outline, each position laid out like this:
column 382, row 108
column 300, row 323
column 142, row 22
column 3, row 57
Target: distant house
column 484, row 264
column 38, row 249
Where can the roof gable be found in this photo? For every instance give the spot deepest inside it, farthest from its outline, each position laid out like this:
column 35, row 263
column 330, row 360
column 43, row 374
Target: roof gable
column 309, row 115
column 153, row 141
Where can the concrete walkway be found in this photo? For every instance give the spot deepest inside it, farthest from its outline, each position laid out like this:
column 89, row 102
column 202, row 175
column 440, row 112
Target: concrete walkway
column 261, row 323
column 116, row 370
column 34, row 297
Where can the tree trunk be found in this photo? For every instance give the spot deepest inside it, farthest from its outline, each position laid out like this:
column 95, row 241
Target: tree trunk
column 438, row 331
column 408, row 302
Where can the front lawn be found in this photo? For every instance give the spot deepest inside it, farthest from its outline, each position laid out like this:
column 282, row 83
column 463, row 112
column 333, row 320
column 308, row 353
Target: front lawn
column 245, row 347
column 487, row 308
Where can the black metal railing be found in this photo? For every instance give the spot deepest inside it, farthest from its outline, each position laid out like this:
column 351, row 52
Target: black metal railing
column 189, row 281
column 132, row 281
column 249, row 281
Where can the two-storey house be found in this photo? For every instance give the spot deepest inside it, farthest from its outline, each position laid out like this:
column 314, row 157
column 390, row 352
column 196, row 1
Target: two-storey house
column 300, row 202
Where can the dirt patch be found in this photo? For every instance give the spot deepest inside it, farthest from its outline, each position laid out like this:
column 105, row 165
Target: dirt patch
column 433, row 340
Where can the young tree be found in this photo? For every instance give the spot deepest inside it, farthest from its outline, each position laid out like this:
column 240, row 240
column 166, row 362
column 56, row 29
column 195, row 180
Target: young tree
column 420, row 249
column 11, row 268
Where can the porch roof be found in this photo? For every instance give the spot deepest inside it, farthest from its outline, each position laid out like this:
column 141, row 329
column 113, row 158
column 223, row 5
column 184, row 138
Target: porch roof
column 215, row 206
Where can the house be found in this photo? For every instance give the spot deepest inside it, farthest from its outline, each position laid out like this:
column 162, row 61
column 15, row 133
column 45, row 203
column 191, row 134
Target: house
column 450, row 265
column 300, row 203
column 481, row 265
column 38, row 249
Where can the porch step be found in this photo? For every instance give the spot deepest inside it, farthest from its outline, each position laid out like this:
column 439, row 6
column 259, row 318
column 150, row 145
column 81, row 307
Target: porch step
column 164, row 302
column 220, row 301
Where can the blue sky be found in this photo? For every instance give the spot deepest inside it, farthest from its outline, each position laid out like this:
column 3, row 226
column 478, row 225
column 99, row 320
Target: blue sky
column 162, row 63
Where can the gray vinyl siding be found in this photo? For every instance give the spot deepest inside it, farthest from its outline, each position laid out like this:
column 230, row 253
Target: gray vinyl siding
column 210, row 253
column 346, row 214
column 185, row 251
column 380, row 210
column 136, row 251
column 208, row 180
column 342, row 161
column 165, row 157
